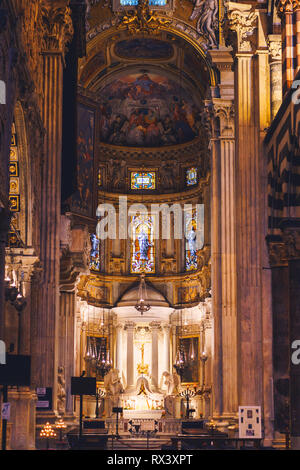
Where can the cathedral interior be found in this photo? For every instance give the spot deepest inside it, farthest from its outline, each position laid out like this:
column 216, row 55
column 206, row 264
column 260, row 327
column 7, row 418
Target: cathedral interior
column 149, row 223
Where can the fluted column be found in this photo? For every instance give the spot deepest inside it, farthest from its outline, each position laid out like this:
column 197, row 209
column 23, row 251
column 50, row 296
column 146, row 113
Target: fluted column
column 243, row 20
column 57, row 31
column 155, row 327
column 223, row 196
column 129, row 327
column 223, row 110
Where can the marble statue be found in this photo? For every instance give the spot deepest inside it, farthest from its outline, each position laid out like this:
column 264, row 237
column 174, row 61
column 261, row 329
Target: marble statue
column 172, row 381
column 207, row 13
column 112, row 383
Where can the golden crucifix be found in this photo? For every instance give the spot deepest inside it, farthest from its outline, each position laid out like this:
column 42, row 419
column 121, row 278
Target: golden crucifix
column 143, row 368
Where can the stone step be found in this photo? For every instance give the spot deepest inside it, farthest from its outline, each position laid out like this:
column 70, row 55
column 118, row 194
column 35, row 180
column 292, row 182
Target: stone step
column 138, row 444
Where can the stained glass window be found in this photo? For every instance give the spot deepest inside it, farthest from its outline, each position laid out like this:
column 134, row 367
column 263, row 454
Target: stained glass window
column 191, row 243
column 191, row 176
column 135, row 2
column 142, row 244
column 95, row 253
column 14, row 191
column 143, row 180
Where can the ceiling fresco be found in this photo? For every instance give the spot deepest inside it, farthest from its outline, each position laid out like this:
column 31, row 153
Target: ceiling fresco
column 147, row 109
column 144, row 48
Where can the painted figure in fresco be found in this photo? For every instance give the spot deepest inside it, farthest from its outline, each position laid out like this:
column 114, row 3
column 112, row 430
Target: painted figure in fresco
column 147, row 111
column 143, row 245
column 207, row 13
column 116, row 130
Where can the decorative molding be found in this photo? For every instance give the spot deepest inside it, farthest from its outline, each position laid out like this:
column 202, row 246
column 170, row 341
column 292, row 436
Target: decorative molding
column 143, row 20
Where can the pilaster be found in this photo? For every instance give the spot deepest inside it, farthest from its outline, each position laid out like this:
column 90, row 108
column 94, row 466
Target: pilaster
column 57, row 32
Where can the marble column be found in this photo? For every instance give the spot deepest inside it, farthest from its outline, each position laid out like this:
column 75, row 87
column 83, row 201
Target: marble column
column 224, row 269
column 57, row 31
column 155, row 327
column 119, row 331
column 167, row 330
column 66, row 356
column 129, row 327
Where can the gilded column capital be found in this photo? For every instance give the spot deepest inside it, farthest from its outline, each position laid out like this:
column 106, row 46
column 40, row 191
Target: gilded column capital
column 130, row 325
column 57, row 26
column 242, row 20
column 155, row 325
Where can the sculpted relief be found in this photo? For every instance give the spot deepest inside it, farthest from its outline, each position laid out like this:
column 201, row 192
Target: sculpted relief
column 206, row 13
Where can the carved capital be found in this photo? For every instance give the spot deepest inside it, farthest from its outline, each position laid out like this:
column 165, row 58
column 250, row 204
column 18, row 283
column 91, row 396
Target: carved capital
column 242, row 20
column 130, row 325
column 224, row 111
column 155, row 325
column 57, row 27
column 274, row 45
column 285, row 6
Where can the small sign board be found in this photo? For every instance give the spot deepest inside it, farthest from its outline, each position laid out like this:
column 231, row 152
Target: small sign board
column 83, row 386
column 5, row 411
column 117, row 409
column 250, row 422
column 44, row 401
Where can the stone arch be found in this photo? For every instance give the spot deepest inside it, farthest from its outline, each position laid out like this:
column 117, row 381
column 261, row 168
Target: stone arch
column 178, row 29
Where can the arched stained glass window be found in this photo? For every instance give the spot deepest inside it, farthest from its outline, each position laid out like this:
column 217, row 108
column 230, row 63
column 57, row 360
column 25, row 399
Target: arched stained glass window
column 191, row 243
column 142, row 244
column 191, row 176
column 143, row 180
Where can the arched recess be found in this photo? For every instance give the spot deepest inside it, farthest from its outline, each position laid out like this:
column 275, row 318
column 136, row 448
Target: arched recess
column 180, row 31
column 25, row 177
